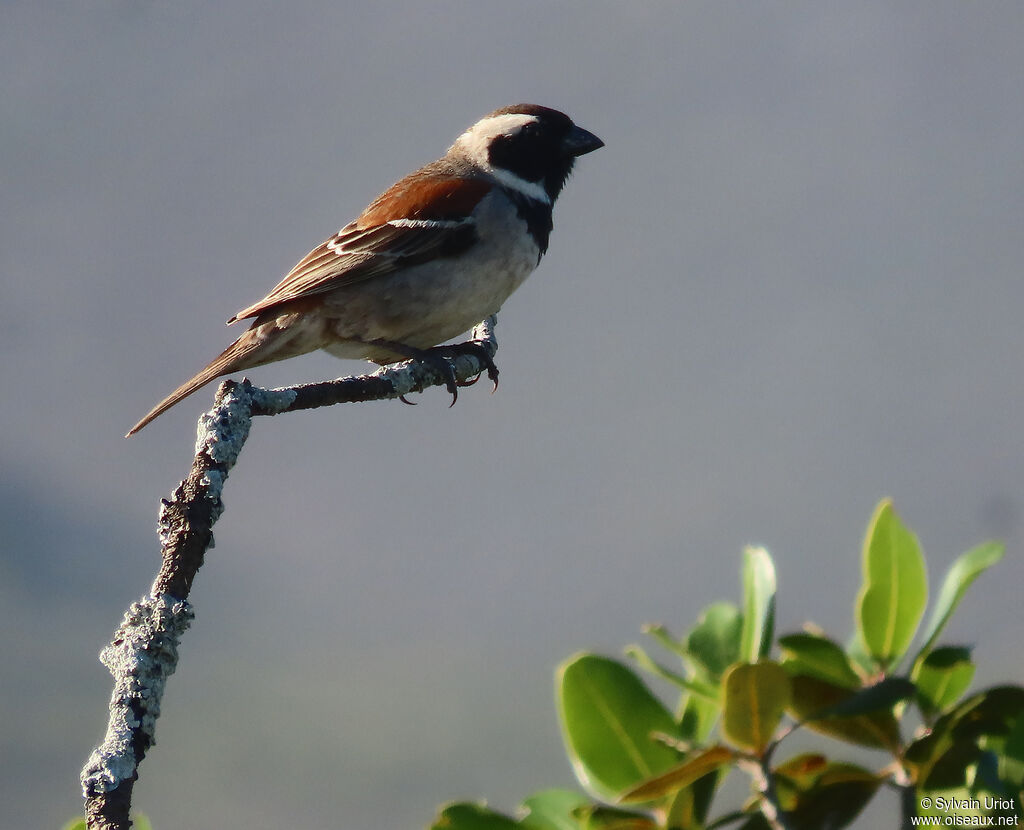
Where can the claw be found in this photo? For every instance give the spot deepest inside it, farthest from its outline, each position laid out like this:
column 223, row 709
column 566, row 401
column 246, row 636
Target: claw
column 405, row 400
column 481, row 354
column 492, row 370
column 440, row 359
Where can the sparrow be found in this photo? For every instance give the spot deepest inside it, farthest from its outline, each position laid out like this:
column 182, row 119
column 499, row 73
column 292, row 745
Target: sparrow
column 429, row 258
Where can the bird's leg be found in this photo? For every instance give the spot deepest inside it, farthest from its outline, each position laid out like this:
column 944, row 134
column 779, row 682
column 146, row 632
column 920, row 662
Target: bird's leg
column 439, row 362
column 440, row 359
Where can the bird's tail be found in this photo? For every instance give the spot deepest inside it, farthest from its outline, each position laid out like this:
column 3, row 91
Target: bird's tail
column 242, row 354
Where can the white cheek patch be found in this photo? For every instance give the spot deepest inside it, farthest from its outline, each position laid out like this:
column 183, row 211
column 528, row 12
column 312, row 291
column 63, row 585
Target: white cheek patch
column 477, row 139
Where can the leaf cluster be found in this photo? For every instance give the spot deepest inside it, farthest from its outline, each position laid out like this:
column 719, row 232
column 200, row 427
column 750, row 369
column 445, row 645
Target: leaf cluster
column 741, row 692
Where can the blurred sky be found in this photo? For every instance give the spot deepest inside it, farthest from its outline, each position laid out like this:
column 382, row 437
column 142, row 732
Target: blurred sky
column 788, row 286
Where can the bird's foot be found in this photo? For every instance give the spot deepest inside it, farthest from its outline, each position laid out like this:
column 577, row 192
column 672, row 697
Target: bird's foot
column 441, row 359
column 473, row 349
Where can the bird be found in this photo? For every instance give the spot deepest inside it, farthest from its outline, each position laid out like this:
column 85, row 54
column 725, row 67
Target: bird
column 434, row 254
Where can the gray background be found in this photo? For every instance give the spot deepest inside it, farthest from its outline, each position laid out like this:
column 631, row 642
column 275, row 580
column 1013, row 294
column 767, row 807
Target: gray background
column 788, row 286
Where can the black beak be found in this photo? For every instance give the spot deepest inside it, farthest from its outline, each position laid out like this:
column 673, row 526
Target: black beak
column 580, row 142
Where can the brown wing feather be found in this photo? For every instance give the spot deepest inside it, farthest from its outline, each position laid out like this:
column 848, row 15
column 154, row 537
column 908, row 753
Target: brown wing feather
column 371, row 247
column 426, row 194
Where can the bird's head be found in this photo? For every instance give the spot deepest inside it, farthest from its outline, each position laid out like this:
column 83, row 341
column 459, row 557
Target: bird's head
column 528, row 148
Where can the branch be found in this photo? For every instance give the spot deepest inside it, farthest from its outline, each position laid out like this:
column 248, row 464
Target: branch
column 907, row 789
column 144, row 651
column 387, row 382
column 760, row 771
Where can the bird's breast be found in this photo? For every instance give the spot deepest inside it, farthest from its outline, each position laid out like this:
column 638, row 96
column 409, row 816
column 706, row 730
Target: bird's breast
column 429, row 303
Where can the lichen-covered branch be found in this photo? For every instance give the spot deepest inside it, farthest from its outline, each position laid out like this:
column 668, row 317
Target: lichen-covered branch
column 142, row 655
column 144, row 651
column 388, row 382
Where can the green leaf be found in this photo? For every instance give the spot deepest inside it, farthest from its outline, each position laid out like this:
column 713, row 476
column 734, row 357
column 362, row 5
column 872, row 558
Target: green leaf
column 895, row 589
column 835, row 799
column 467, row 816
column 755, row 697
column 689, row 807
column 812, row 696
column 714, row 643
column 1011, row 755
column 952, row 767
column 758, row 604
column 609, row 818
column 697, row 765
column 942, row 676
column 608, row 716
column 552, row 810
column 958, row 579
column 697, row 717
column 74, row 824
column 816, row 792
column 819, row 657
column 954, row 736
column 647, row 663
column 800, row 772
column 665, row 638
column 990, row 712
column 986, row 772
column 880, row 696
column 861, row 661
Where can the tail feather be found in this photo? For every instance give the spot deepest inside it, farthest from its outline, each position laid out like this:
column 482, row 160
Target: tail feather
column 239, row 355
